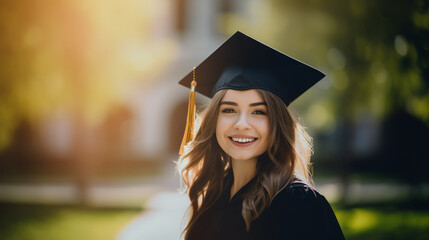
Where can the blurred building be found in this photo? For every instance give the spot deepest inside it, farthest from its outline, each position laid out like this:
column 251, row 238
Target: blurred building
column 146, row 127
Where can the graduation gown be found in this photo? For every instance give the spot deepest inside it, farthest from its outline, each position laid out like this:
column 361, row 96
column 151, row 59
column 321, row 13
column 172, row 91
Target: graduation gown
column 296, row 212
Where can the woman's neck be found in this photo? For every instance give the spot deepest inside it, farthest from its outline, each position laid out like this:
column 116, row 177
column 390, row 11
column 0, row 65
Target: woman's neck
column 243, row 171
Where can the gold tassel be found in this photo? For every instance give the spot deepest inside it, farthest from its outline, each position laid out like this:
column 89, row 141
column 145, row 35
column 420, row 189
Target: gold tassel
column 189, row 129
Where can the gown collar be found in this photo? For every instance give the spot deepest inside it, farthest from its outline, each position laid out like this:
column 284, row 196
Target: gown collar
column 243, row 190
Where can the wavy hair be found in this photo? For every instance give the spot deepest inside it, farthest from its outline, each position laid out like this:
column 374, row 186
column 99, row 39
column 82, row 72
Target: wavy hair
column 204, row 165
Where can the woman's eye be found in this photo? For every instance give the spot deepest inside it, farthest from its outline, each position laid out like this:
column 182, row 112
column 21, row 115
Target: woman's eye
column 228, row 110
column 259, row 112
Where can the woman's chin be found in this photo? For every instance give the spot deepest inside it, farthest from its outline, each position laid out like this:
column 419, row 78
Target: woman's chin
column 243, row 157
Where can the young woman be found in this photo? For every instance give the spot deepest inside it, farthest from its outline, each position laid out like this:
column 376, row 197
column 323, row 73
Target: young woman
column 248, row 168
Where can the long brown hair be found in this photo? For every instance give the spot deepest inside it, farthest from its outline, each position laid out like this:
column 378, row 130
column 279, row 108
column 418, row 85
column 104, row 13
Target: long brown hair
column 205, row 164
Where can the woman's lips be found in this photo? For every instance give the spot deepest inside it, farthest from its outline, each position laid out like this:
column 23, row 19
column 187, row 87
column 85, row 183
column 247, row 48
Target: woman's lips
column 242, row 140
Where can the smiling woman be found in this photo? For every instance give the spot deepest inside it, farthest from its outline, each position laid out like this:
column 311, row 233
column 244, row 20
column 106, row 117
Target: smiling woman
column 248, row 168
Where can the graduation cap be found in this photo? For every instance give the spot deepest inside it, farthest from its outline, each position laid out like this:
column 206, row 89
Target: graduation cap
column 243, row 63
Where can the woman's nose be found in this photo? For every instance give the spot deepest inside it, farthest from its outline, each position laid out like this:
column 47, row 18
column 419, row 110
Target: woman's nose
column 242, row 122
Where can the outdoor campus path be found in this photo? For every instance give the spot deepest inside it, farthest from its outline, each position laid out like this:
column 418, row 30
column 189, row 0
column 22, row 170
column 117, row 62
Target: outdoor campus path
column 163, row 219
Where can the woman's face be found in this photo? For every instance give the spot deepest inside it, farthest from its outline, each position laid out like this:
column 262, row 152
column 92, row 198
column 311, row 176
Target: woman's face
column 243, row 126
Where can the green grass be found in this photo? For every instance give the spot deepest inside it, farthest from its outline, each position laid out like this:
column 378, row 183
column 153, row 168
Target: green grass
column 391, row 221
column 369, row 224
column 25, row 222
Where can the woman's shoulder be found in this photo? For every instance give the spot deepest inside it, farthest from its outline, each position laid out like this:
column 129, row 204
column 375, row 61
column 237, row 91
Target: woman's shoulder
column 299, row 197
column 303, row 213
column 298, row 191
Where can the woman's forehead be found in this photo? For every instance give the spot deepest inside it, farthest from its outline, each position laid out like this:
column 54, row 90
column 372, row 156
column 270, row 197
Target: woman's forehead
column 242, row 97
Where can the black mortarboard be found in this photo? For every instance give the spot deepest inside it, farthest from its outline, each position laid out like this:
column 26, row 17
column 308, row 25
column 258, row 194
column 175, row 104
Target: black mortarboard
column 243, row 63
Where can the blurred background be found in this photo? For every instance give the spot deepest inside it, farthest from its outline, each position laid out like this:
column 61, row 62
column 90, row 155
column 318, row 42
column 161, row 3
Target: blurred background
column 91, row 115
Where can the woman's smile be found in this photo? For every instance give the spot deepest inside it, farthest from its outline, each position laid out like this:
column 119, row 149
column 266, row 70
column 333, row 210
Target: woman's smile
column 242, row 140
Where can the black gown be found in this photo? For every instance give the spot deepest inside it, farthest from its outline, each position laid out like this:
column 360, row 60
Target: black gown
column 296, row 212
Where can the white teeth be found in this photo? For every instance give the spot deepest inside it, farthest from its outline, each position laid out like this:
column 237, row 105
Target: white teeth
column 243, row 140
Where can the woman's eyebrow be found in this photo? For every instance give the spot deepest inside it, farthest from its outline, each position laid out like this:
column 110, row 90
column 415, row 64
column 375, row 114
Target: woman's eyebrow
column 257, row 104
column 235, row 104
column 228, row 103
